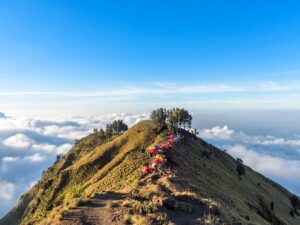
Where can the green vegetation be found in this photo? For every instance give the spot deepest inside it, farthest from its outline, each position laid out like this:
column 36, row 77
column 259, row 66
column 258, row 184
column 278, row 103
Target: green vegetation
column 116, row 127
column 159, row 116
column 74, row 192
column 179, row 118
column 144, row 206
column 174, row 118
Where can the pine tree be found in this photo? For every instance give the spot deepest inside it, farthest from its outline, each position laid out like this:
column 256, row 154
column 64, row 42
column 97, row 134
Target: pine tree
column 159, row 116
column 108, row 131
column 240, row 169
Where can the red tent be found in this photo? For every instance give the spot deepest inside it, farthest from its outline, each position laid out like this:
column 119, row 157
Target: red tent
column 153, row 151
column 147, row 169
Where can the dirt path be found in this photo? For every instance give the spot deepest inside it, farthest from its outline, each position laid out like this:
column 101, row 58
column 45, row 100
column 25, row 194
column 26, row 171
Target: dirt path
column 186, row 218
column 96, row 212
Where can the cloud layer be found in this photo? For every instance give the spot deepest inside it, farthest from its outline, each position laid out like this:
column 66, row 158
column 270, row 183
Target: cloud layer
column 136, row 96
column 29, row 145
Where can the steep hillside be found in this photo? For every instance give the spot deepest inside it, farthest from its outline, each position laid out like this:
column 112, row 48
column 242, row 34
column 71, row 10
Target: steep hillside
column 100, row 182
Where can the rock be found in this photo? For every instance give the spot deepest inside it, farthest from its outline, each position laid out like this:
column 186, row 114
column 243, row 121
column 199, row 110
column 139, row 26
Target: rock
column 184, row 207
column 172, row 203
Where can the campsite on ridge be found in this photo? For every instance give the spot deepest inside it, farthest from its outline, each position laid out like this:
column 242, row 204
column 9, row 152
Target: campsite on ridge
column 156, row 172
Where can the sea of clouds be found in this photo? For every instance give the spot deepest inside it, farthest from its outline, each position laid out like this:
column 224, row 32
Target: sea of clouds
column 30, row 145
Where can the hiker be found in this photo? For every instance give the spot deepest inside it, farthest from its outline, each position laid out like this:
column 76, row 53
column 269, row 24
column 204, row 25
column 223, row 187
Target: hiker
column 158, row 159
column 147, row 169
column 170, row 142
column 154, row 166
column 181, row 134
column 160, row 151
column 176, row 139
column 153, row 152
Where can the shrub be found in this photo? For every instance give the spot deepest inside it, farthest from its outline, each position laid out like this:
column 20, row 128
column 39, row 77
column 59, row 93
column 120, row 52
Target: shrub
column 127, row 203
column 114, row 204
column 81, row 202
column 144, row 207
column 127, row 219
column 74, row 192
column 138, row 220
column 272, row 206
column 241, row 170
column 292, row 214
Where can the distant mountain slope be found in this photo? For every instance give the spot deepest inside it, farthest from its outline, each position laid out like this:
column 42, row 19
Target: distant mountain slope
column 100, row 182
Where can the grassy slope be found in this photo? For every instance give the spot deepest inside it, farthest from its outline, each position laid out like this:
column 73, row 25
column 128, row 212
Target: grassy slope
column 94, row 166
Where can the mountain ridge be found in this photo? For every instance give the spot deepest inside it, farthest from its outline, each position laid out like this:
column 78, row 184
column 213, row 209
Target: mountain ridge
column 200, row 180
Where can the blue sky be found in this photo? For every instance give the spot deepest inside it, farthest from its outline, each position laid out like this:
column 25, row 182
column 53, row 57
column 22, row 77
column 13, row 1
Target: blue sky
column 92, row 46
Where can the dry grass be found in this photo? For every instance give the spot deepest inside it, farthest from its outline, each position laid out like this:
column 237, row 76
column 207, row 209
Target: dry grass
column 127, row 219
column 139, row 220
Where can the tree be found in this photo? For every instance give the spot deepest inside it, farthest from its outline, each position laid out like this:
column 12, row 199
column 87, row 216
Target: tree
column 59, row 157
column 159, row 116
column 239, row 160
column 272, row 206
column 118, row 126
column 108, row 131
column 241, row 170
column 179, row 118
column 101, row 134
column 170, row 121
column 295, row 202
column 185, row 119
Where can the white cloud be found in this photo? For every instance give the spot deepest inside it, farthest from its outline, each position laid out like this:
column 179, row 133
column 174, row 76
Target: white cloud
column 160, row 88
column 217, row 132
column 228, row 135
column 18, row 141
column 35, row 158
column 275, row 86
column 10, row 159
column 263, row 95
column 267, row 164
column 6, row 191
column 63, row 149
column 136, row 90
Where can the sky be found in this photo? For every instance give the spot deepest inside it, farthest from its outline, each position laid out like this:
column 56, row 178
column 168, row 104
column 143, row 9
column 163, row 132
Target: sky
column 109, row 56
column 67, row 67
